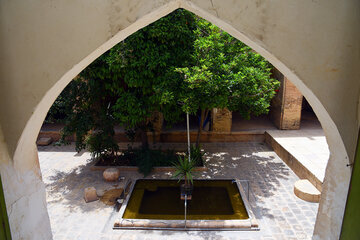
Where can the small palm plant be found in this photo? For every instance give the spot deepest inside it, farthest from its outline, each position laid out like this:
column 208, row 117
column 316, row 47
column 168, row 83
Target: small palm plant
column 183, row 170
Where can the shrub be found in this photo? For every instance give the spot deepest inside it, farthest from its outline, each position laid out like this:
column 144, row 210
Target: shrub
column 197, row 155
column 147, row 159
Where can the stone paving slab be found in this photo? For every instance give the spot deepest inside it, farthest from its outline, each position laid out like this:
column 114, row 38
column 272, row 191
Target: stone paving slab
column 280, row 213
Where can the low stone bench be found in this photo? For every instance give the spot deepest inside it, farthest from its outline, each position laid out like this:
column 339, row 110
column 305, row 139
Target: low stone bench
column 90, row 194
column 44, row 141
column 304, row 190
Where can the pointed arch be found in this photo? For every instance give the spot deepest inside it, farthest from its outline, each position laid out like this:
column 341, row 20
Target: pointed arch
column 335, row 184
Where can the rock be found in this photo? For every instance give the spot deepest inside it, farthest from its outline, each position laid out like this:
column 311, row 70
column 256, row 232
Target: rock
column 44, row 141
column 100, row 192
column 110, row 197
column 111, row 174
column 90, row 194
column 306, row 191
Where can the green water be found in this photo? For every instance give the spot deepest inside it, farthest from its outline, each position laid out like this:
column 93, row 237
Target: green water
column 160, row 199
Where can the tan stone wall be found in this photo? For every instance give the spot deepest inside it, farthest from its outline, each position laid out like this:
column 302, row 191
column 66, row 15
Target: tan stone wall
column 292, row 104
column 286, row 105
column 221, row 120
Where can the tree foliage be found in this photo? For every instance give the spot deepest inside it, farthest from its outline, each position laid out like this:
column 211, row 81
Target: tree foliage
column 225, row 74
column 128, row 83
column 143, row 70
column 89, row 116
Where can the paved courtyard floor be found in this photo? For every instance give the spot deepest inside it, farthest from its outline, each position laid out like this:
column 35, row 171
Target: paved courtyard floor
column 280, row 213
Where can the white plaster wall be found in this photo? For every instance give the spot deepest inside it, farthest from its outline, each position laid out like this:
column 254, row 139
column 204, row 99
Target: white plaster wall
column 25, row 197
column 44, row 44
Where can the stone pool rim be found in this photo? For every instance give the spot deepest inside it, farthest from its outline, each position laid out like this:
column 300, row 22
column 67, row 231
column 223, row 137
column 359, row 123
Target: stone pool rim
column 249, row 224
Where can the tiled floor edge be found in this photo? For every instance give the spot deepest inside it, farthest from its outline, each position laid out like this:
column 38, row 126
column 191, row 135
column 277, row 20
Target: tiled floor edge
column 136, row 169
column 179, row 136
column 300, row 170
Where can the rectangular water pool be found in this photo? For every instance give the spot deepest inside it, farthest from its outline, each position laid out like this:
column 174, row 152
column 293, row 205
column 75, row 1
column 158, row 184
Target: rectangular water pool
column 215, row 204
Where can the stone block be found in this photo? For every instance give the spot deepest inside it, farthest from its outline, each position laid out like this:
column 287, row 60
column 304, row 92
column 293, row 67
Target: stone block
column 44, row 141
column 90, row 194
column 111, row 174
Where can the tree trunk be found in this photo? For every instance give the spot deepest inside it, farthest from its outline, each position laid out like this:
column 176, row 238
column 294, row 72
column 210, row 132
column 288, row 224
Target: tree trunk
column 144, row 138
column 202, row 119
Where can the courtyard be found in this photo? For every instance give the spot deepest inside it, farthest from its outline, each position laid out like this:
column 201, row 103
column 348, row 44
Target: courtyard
column 47, row 45
column 281, row 215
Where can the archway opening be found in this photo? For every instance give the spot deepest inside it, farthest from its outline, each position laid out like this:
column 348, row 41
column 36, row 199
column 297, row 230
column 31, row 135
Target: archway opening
column 76, row 173
column 25, row 155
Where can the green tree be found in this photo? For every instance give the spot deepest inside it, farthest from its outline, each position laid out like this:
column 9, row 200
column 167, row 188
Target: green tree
column 177, row 59
column 142, row 68
column 128, row 83
column 225, row 74
column 89, row 115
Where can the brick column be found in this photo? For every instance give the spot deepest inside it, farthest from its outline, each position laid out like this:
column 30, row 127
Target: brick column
column 221, row 120
column 286, row 105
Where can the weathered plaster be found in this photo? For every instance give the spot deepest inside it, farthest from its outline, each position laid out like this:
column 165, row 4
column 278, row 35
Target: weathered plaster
column 43, row 45
column 25, row 197
column 333, row 198
column 26, row 204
